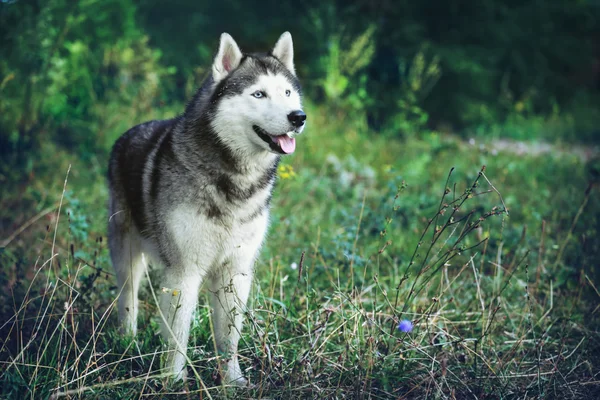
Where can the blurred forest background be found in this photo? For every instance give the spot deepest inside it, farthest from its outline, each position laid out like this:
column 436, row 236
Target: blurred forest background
column 398, row 93
column 456, row 66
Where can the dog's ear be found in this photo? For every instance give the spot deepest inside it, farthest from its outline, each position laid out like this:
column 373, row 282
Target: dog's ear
column 228, row 58
column 284, row 51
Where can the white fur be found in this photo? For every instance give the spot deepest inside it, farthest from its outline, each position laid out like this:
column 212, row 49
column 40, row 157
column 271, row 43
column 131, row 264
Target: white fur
column 270, row 113
column 224, row 255
column 221, row 251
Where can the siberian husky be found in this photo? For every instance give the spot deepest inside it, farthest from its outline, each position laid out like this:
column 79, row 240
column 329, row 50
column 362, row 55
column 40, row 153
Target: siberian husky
column 192, row 194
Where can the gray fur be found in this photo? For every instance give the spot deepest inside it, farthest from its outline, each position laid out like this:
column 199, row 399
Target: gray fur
column 186, row 193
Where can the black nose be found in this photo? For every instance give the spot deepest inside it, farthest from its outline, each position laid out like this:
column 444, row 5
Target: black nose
column 297, row 118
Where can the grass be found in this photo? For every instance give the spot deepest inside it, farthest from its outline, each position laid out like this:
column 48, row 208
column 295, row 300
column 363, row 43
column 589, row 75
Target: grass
column 495, row 267
column 577, row 123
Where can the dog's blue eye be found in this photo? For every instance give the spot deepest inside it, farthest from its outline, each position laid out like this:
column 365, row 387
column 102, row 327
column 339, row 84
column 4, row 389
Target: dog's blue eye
column 259, row 94
column 287, row 93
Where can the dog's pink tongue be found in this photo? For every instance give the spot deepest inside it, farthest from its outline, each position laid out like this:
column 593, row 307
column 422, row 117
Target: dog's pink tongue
column 287, row 144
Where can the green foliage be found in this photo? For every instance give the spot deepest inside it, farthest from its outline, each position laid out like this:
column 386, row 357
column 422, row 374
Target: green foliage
column 342, row 66
column 66, row 66
column 366, row 229
column 75, row 64
column 577, row 123
column 418, row 79
column 387, row 234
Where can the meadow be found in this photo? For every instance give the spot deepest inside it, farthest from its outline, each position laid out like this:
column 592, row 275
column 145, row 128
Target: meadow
column 490, row 254
column 434, row 236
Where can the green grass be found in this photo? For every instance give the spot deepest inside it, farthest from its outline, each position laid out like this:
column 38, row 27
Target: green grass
column 576, row 124
column 364, row 233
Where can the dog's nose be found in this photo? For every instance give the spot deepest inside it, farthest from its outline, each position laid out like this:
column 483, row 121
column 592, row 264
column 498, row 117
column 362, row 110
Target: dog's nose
column 297, row 118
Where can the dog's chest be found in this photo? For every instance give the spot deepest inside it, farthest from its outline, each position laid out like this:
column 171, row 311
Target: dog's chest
column 209, row 239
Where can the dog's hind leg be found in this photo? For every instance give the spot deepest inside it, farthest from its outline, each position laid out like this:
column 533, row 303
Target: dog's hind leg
column 125, row 249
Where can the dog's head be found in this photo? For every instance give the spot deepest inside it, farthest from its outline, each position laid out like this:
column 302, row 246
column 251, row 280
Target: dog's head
column 258, row 98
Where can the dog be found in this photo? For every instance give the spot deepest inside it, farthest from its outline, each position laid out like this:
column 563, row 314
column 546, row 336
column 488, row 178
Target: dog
column 192, row 194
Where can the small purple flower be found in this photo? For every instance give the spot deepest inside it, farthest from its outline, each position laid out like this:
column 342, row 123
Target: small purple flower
column 405, row 326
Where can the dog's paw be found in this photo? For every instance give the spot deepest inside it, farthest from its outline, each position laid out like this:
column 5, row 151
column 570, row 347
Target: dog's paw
column 230, row 374
column 236, row 380
column 240, row 382
column 181, row 376
column 175, row 376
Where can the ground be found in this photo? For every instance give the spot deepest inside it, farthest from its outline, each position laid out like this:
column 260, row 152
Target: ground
column 488, row 247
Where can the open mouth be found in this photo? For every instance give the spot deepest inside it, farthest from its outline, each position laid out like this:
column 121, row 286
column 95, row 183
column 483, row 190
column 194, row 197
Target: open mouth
column 282, row 144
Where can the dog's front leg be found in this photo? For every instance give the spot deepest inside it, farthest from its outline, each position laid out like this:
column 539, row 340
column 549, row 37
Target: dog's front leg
column 179, row 295
column 229, row 289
